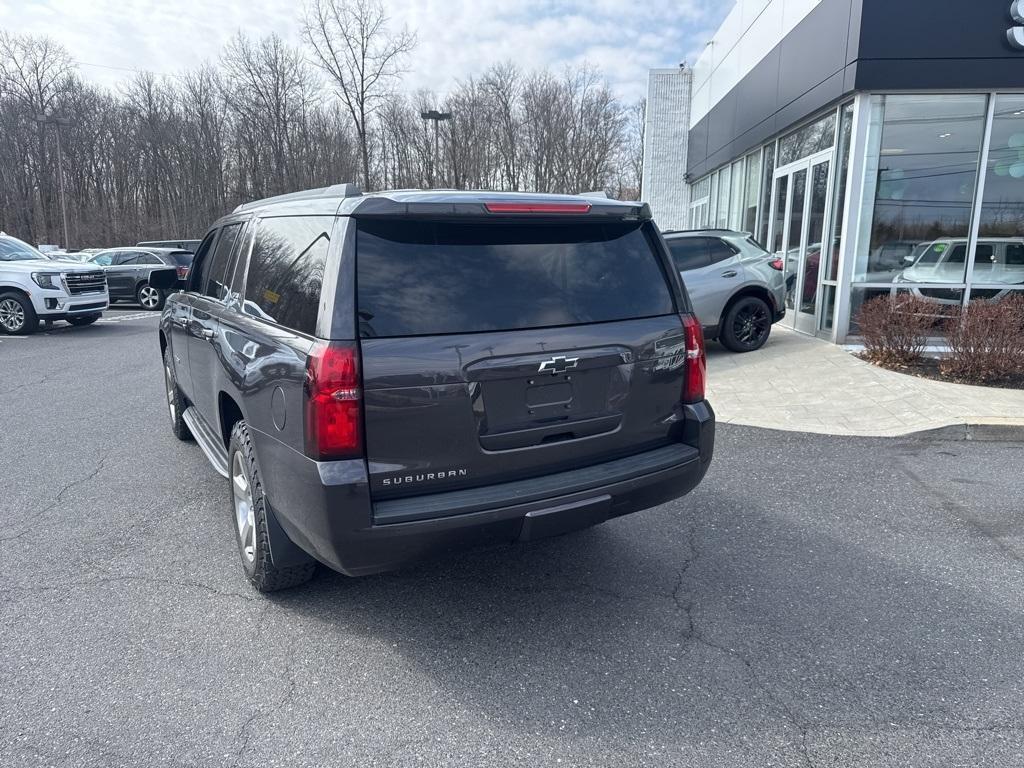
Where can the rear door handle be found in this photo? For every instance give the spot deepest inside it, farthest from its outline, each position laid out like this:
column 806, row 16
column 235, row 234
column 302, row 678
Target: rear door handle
column 730, row 273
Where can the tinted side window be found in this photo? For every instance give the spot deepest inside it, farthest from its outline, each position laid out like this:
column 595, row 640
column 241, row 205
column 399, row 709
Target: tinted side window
column 1015, row 254
column 689, row 252
column 286, row 270
column 214, row 284
column 126, row 258
column 197, row 277
column 720, row 250
column 103, row 259
column 237, row 277
column 418, row 278
column 148, row 258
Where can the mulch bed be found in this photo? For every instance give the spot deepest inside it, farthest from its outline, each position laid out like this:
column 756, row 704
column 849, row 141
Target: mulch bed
column 928, row 368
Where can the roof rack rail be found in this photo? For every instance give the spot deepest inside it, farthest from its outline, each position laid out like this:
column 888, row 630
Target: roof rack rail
column 335, row 190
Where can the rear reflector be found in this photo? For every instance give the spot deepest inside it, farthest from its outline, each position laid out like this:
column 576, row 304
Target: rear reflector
column 537, row 207
column 776, row 264
column 333, row 402
column 696, row 362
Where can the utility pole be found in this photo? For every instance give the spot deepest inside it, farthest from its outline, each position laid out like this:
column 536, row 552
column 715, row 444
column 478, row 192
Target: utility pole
column 437, row 117
column 58, row 123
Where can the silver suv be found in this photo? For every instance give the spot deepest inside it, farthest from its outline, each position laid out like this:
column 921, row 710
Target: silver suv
column 737, row 288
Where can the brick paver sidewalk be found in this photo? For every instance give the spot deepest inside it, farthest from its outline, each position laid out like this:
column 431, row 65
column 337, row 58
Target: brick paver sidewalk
column 800, row 383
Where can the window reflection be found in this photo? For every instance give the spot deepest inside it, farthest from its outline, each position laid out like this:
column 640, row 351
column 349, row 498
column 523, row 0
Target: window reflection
column 923, row 178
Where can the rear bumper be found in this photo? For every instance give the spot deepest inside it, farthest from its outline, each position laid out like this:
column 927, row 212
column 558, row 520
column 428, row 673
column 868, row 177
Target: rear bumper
column 325, row 508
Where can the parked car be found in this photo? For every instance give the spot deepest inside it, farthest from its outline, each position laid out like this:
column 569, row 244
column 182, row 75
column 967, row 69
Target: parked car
column 180, row 245
column 34, row 288
column 386, row 376
column 128, row 272
column 998, row 261
column 737, row 288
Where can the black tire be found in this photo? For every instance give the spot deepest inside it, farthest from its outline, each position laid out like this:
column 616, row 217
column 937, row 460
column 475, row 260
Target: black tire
column 746, row 325
column 150, row 298
column 175, row 402
column 17, row 314
column 258, row 564
column 82, row 320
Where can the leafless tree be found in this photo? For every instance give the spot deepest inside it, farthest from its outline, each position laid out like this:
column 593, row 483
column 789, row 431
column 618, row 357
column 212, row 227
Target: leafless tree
column 351, row 42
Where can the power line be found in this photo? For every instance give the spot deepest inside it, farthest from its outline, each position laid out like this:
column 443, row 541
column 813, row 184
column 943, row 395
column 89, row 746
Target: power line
column 128, row 69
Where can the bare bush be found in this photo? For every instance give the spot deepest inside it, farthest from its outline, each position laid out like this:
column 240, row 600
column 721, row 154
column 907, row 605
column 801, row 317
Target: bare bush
column 986, row 342
column 895, row 329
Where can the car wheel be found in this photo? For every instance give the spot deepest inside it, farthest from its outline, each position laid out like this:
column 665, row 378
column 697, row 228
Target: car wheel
column 175, row 402
column 83, row 320
column 150, row 297
column 249, row 512
column 747, row 324
column 17, row 314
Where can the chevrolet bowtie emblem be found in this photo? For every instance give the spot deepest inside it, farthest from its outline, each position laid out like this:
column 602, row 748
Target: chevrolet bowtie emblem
column 558, row 365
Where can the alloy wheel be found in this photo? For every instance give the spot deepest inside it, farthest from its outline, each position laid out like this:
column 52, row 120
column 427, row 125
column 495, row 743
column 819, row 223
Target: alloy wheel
column 149, row 296
column 751, row 325
column 12, row 315
column 245, row 514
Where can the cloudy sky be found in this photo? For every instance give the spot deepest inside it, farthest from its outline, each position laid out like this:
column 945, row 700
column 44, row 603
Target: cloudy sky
column 456, row 37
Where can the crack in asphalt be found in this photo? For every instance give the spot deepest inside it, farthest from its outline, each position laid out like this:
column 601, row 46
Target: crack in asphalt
column 244, row 735
column 112, row 579
column 56, row 500
column 696, row 635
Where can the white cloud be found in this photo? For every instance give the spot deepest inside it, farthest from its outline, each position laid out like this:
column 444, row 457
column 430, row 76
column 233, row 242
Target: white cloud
column 457, row 38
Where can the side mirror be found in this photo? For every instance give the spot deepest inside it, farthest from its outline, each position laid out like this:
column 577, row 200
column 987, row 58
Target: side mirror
column 164, row 279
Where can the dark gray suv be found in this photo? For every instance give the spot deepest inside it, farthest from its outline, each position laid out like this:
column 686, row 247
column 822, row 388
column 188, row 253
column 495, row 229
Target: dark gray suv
column 382, row 377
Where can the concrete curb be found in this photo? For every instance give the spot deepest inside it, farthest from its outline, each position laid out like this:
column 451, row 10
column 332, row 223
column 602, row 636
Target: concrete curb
column 989, row 433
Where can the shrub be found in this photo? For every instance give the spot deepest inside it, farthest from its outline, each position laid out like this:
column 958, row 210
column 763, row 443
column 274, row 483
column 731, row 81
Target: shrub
column 986, row 342
column 895, row 329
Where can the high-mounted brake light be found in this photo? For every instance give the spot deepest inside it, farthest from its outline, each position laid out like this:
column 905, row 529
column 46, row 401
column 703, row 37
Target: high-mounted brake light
column 496, row 207
column 696, row 362
column 333, row 402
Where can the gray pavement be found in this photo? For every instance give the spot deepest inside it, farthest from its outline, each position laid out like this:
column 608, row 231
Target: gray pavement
column 818, row 601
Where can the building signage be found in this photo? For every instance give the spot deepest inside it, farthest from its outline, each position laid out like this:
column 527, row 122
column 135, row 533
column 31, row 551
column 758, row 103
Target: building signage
column 1015, row 35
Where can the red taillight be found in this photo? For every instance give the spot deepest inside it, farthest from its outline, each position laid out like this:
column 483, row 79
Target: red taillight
column 333, row 402
column 776, row 264
column 696, row 363
column 495, row 207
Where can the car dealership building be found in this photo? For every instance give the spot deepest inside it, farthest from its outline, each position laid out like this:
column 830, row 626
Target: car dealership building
column 877, row 146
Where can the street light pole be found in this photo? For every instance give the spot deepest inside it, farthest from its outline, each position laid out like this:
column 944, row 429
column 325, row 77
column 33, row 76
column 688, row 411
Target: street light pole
column 58, row 122
column 437, row 117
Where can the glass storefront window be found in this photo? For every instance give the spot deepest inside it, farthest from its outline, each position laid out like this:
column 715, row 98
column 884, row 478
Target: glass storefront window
column 920, row 187
column 722, row 211
column 766, row 192
column 752, row 191
column 712, row 200
column 805, row 141
column 736, row 196
column 999, row 258
column 839, row 203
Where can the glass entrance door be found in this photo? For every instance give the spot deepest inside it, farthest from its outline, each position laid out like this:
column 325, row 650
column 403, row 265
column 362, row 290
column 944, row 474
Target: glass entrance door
column 800, row 204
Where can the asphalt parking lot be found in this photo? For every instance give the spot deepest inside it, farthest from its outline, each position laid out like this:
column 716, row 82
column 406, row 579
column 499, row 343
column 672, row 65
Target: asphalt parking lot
column 818, row 601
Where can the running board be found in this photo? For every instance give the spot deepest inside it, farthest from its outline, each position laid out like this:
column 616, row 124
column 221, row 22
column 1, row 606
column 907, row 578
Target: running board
column 208, row 441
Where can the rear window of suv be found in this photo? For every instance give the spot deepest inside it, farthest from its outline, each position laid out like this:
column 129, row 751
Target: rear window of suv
column 418, row 278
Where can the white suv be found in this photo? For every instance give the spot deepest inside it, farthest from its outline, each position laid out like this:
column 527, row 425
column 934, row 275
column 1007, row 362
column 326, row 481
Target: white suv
column 34, row 288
